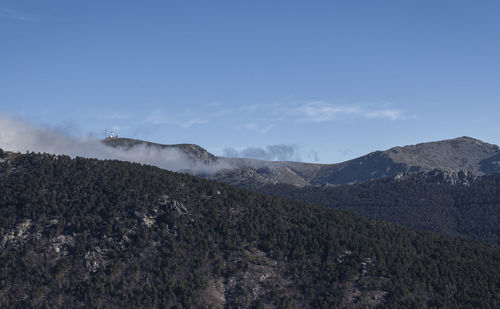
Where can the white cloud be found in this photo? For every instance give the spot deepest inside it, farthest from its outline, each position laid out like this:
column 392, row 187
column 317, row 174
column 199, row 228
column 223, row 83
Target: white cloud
column 269, row 153
column 319, row 111
column 157, row 117
column 280, row 152
column 260, row 129
column 10, row 14
column 262, row 118
column 192, row 122
column 384, row 114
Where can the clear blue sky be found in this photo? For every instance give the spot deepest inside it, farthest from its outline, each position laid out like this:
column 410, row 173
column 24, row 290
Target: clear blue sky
column 335, row 78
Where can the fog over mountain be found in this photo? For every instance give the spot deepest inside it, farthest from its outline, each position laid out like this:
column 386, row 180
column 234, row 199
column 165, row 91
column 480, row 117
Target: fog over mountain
column 19, row 136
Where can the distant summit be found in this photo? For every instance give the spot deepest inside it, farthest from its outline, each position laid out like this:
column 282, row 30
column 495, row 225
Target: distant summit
column 463, row 154
column 458, row 154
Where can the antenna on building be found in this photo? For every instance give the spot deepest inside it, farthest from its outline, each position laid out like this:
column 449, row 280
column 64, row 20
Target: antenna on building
column 110, row 134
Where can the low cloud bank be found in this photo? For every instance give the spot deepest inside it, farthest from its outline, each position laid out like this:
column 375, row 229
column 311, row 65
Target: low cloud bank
column 269, row 153
column 19, row 136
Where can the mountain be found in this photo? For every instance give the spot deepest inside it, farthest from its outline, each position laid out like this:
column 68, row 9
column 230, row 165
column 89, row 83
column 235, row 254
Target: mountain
column 459, row 154
column 80, row 233
column 463, row 154
column 454, row 155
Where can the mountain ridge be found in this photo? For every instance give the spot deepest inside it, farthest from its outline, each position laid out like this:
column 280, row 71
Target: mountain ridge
column 462, row 154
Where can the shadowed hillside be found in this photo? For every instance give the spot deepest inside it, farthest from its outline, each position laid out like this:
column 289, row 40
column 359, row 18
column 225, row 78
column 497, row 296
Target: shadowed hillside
column 454, row 204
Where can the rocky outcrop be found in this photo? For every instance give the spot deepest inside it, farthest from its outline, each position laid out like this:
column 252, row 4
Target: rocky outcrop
column 95, row 259
column 62, row 244
column 253, row 278
column 17, row 235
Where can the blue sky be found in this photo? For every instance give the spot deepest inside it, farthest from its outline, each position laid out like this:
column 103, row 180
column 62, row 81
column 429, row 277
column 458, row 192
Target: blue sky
column 333, row 79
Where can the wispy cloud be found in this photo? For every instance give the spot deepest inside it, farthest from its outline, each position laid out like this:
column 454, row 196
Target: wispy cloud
column 192, row 122
column 14, row 15
column 270, row 153
column 158, row 118
column 260, row 129
column 345, row 151
column 262, row 118
column 390, row 114
column 223, row 112
column 320, row 111
column 280, row 152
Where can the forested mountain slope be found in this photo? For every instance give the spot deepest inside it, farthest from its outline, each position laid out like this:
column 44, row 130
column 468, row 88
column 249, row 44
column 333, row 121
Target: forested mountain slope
column 456, row 204
column 80, row 233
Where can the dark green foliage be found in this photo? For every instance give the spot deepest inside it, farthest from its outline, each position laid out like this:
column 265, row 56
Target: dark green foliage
column 203, row 236
column 428, row 201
